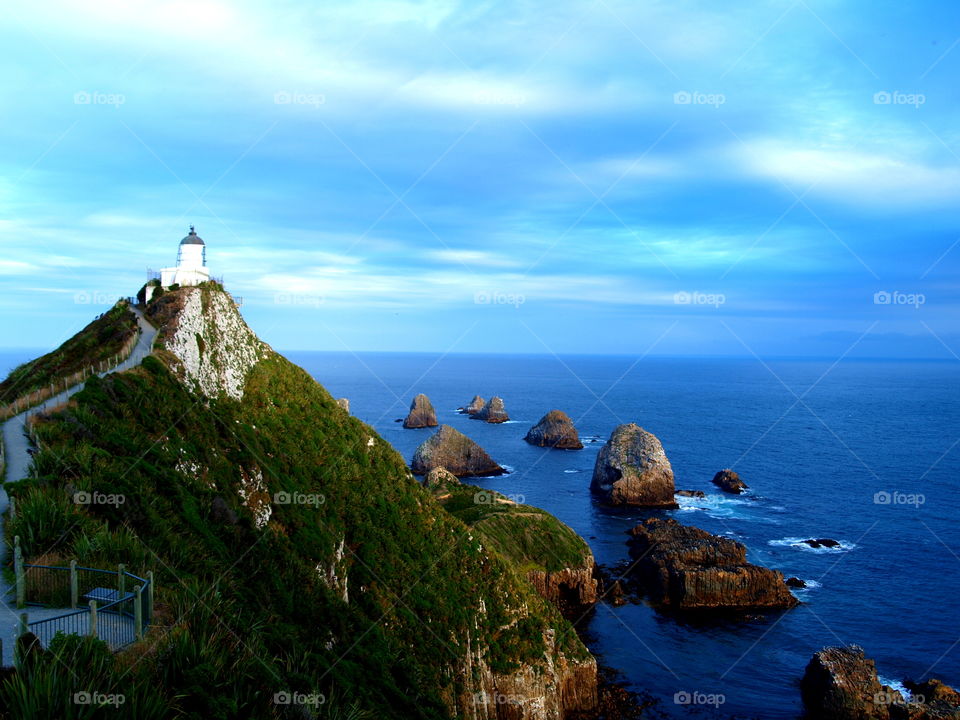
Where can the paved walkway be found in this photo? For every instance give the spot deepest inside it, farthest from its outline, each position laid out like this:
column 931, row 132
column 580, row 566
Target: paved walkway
column 16, row 445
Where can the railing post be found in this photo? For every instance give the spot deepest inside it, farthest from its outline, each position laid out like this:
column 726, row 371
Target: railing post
column 20, row 575
column 138, row 612
column 13, row 505
column 22, row 625
column 74, row 585
column 93, row 618
column 121, row 578
column 151, row 588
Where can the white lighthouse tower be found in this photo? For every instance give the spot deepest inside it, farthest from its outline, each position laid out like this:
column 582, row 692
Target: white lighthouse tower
column 191, row 266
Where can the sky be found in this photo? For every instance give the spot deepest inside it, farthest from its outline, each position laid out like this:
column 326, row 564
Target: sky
column 745, row 178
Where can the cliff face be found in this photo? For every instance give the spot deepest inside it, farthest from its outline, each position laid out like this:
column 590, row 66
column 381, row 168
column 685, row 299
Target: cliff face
column 214, row 348
column 303, row 532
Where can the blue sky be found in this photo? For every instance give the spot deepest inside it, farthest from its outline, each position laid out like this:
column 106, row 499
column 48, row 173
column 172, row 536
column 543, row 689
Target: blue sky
column 769, row 178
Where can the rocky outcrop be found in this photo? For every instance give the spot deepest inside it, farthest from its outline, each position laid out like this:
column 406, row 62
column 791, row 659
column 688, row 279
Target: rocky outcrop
column 841, row 683
column 821, row 543
column 440, row 477
column 492, row 412
column 421, row 413
column 202, row 329
column 795, row 582
column 572, row 589
column 632, row 469
column 451, row 449
column 344, row 404
column 475, row 406
column 687, row 568
column 699, row 494
column 728, row 481
column 555, row 430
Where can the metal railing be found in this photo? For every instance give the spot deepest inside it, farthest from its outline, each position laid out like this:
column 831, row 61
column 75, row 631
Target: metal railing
column 115, row 606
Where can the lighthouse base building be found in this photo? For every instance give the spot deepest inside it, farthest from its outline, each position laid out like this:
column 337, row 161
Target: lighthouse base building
column 191, row 266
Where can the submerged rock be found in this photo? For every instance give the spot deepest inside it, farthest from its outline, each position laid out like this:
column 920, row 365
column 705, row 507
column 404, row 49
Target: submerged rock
column 729, row 481
column 632, row 469
column 821, row 542
column 555, row 430
column 841, row 683
column 421, row 413
column 795, row 582
column 691, row 493
column 493, row 411
column 451, row 449
column 684, row 567
column 475, row 406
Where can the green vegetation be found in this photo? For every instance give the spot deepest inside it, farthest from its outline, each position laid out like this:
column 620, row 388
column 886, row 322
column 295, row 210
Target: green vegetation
column 98, row 341
column 531, row 538
column 246, row 612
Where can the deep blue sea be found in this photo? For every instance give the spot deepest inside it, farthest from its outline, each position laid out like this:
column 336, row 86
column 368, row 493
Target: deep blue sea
column 816, row 442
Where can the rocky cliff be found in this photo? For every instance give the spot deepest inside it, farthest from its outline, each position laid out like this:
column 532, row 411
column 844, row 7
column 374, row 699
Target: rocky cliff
column 321, row 564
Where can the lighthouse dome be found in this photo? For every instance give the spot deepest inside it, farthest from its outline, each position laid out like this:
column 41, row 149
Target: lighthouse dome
column 192, row 238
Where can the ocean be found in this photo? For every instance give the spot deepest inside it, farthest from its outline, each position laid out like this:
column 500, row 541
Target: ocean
column 864, row 452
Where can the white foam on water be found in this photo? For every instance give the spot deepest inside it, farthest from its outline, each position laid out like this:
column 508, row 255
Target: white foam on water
column 716, row 506
column 574, row 471
column 896, row 685
column 798, row 542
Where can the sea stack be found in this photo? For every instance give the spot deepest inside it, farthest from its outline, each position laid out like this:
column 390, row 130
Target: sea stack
column 728, row 481
column 841, row 683
column 555, row 430
column 451, row 449
column 475, row 406
column 421, row 413
column 632, row 469
column 686, row 568
column 493, row 411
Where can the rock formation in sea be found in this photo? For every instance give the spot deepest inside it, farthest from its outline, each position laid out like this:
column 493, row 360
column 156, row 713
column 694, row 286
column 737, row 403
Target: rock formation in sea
column 728, row 481
column 421, row 413
column 555, row 430
column 632, row 469
column 344, row 404
column 821, row 542
column 492, row 412
column 687, row 568
column 451, row 449
column 841, row 683
column 795, row 582
column 691, row 493
column 475, row 406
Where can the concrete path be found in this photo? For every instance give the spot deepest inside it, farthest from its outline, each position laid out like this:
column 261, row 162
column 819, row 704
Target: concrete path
column 16, row 447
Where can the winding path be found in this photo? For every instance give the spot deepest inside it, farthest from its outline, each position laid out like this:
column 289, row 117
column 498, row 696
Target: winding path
column 16, row 446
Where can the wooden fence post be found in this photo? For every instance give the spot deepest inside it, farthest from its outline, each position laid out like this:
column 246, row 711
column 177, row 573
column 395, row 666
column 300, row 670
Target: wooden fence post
column 138, row 612
column 151, row 589
column 121, row 578
column 93, row 618
column 74, row 585
column 21, row 578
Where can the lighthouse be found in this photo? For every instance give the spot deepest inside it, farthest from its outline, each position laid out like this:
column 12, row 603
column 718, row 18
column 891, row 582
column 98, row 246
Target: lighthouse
column 191, row 266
